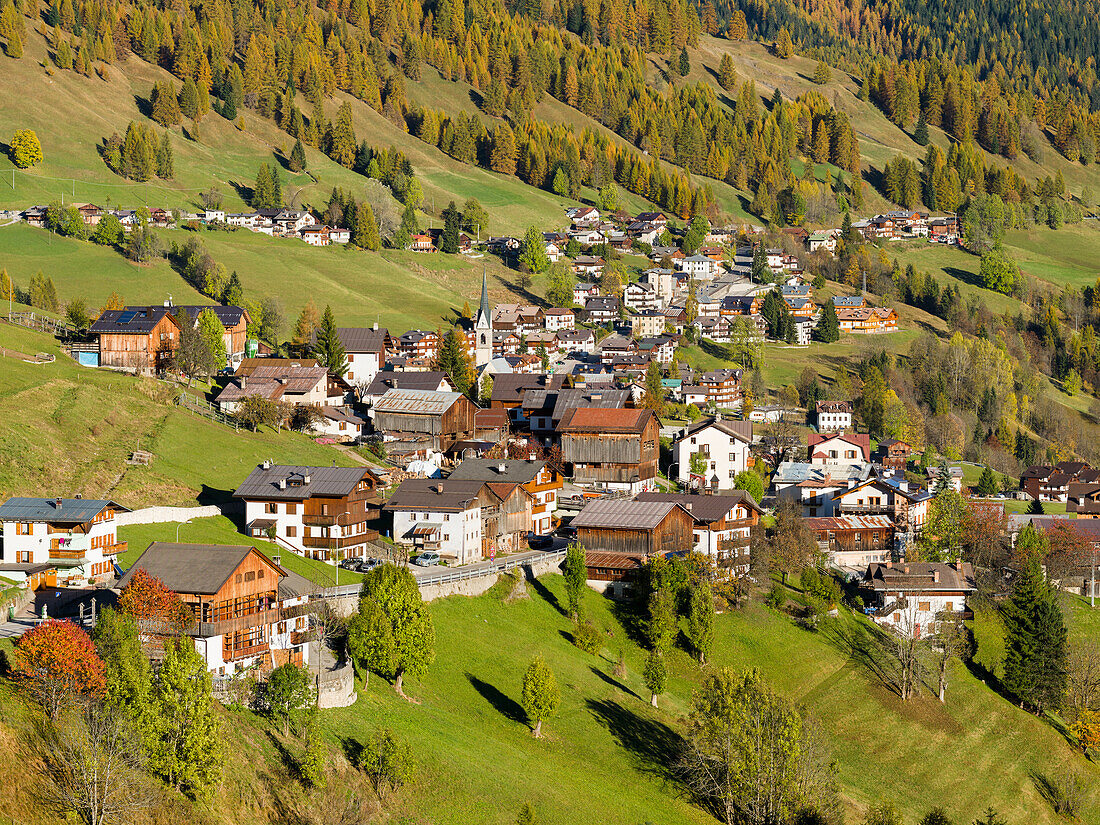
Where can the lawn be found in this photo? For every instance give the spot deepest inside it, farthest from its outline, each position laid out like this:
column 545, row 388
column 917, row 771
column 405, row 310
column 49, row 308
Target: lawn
column 67, row 429
column 479, row 762
column 222, row 530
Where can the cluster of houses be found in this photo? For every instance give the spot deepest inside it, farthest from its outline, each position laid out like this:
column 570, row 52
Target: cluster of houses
column 92, row 214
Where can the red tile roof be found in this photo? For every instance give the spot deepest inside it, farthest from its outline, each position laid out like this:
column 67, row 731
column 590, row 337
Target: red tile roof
column 587, row 419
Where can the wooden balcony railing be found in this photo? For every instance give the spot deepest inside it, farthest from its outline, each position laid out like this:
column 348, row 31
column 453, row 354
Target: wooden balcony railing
column 321, row 521
column 298, row 637
column 231, row 654
column 867, row 509
column 323, row 543
column 116, row 548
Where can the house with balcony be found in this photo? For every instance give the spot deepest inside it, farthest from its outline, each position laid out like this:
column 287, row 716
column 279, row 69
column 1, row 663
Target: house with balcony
column 909, row 597
column 536, row 477
column 611, row 449
column 854, row 541
column 812, row 486
column 722, row 525
column 635, row 528
column 76, row 537
column 463, row 520
column 249, row 612
column 893, row 496
column 325, row 513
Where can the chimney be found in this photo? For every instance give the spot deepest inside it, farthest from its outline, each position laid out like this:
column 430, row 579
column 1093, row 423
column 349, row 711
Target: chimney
column 502, row 468
column 376, row 326
column 244, row 384
column 907, row 569
column 959, row 566
column 57, row 503
column 282, row 483
column 79, row 496
column 936, row 576
column 305, row 479
column 439, row 487
column 267, row 464
column 889, row 565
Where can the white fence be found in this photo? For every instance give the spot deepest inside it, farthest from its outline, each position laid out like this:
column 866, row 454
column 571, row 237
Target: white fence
column 159, row 515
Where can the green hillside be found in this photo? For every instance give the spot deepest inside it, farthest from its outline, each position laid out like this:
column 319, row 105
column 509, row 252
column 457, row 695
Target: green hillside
column 67, row 429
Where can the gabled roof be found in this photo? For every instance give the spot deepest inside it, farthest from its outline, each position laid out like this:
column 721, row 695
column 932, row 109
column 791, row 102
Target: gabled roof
column 130, row 321
column 194, row 568
column 705, row 509
column 416, row 402
column 514, row 471
column 589, row 419
column 918, row 577
column 229, row 316
column 861, row 440
column 621, row 514
column 389, row 380
column 301, row 482
column 434, row 495
column 71, row 511
column 362, row 339
column 732, row 427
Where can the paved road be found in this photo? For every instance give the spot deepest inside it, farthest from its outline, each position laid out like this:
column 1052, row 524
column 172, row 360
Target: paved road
column 481, row 566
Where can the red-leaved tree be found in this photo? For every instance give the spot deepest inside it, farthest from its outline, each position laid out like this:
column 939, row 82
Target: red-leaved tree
column 157, row 610
column 55, row 663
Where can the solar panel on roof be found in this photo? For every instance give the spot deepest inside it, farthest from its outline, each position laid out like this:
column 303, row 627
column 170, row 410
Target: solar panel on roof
column 126, row 317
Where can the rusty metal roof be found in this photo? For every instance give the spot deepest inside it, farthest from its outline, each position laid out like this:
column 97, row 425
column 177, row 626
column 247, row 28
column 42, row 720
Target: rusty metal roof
column 589, row 419
column 416, row 402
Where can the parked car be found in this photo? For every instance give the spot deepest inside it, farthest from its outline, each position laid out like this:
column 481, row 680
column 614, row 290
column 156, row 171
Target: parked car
column 537, row 542
column 567, row 532
column 350, row 563
column 366, row 565
column 428, row 558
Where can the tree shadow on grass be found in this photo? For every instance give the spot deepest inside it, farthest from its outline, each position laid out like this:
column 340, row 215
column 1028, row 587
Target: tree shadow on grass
column 615, row 683
column 869, row 649
column 505, row 705
column 631, row 614
column 653, row 746
column 547, row 596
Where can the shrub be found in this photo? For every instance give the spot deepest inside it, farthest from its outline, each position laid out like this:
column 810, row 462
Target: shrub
column 775, row 598
column 587, row 637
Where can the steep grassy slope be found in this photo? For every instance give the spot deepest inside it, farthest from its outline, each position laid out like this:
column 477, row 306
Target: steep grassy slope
column 605, row 755
column 66, row 429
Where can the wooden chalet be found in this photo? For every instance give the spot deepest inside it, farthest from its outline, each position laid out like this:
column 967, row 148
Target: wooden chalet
column 641, row 528
column 241, row 610
column 611, row 448
column 138, row 339
column 423, row 420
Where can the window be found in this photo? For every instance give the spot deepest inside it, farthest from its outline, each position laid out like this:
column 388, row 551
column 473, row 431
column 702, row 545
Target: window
column 260, row 573
column 924, row 606
column 271, row 507
column 250, row 576
column 291, row 531
column 240, row 578
column 291, row 509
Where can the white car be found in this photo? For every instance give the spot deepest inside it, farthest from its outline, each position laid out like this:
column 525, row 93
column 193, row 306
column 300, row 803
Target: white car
column 429, row 558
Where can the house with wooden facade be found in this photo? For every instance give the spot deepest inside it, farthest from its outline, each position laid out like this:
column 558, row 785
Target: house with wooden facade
column 893, row 454
column 286, row 380
column 249, row 612
column 905, row 503
column 234, row 321
column 854, row 541
column 640, row 528
column 611, row 449
column 75, row 538
column 423, row 421
column 136, row 339
column 722, row 525
column 325, row 513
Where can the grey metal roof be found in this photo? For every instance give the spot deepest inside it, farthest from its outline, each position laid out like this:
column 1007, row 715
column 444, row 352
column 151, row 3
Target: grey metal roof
column 704, row 508
column 72, row 510
column 416, row 402
column 516, row 471
column 323, row 481
column 191, row 568
column 624, row 515
column 391, row 380
column 433, row 495
column 362, row 339
column 229, row 316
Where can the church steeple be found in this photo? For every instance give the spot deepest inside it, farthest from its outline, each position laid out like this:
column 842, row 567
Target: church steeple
column 483, row 314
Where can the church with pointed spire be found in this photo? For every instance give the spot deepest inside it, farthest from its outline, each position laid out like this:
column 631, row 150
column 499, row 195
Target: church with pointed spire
column 483, row 327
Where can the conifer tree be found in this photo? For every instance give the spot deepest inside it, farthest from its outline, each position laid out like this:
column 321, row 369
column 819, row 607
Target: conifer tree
column 533, row 251
column 307, row 323
column 297, row 161
column 328, row 349
column 452, row 223
column 828, row 328
column 727, row 75
column 189, row 100
column 821, row 73
column 684, row 63
column 233, row 295
column 166, row 168
column 166, row 108
column 920, row 133
column 784, row 48
column 1035, row 641
column 365, row 234
column 342, row 148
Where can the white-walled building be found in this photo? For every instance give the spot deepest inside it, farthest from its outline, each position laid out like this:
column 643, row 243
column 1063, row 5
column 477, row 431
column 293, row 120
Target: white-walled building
column 834, row 416
column 722, row 524
column 911, row 596
column 365, row 348
column 441, row 515
column 537, row 478
column 74, row 536
column 724, row 445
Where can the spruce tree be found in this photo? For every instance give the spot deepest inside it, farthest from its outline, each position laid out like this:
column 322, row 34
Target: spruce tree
column 1035, row 641
column 233, row 296
column 452, row 221
column 328, row 349
column 365, row 234
column 533, row 251
column 684, row 66
column 189, row 100
column 828, row 328
column 920, row 134
column 166, row 167
column 298, row 157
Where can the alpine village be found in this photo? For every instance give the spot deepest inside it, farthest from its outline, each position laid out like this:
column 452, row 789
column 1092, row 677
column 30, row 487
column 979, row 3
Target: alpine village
column 465, row 412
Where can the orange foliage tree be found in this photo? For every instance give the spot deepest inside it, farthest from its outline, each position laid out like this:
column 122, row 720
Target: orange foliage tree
column 56, row 662
column 156, row 609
